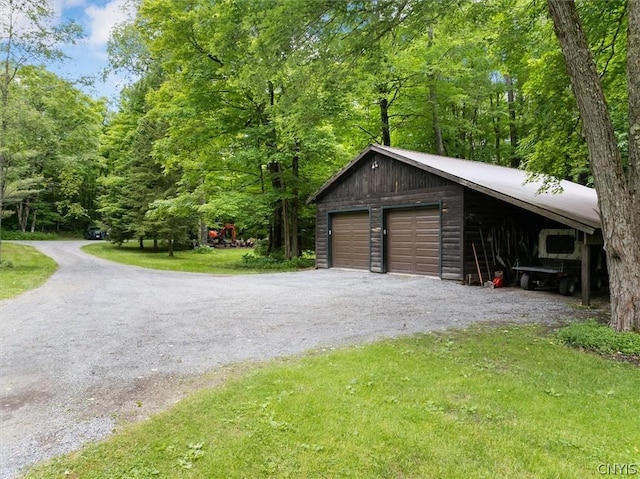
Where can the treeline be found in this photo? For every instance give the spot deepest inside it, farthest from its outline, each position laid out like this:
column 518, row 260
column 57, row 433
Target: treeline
column 243, row 108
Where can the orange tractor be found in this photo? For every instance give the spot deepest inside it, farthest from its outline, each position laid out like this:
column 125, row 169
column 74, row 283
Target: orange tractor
column 219, row 237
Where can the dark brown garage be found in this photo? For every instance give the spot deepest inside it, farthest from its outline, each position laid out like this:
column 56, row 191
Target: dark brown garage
column 402, row 211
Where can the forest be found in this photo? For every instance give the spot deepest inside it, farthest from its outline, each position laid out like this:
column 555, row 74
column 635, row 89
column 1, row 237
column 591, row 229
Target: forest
column 238, row 110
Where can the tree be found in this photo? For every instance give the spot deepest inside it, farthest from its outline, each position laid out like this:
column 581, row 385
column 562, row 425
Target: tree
column 53, row 132
column 259, row 101
column 243, row 123
column 67, row 145
column 173, row 218
column 25, row 37
column 134, row 179
column 617, row 184
column 19, row 192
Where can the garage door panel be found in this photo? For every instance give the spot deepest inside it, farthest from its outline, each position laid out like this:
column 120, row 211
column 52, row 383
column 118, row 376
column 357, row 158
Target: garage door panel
column 427, row 254
column 413, row 241
column 426, row 250
column 350, row 240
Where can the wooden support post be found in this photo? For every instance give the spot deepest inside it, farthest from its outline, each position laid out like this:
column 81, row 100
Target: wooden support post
column 586, row 274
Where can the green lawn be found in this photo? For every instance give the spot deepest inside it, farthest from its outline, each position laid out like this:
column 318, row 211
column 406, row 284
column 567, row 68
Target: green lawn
column 216, row 261
column 29, row 269
column 480, row 403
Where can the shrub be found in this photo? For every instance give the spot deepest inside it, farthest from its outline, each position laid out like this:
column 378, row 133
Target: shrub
column 304, row 262
column 273, row 263
column 20, row 236
column 261, row 246
column 600, row 338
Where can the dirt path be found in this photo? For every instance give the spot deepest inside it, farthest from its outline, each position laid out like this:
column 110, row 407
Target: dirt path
column 101, row 343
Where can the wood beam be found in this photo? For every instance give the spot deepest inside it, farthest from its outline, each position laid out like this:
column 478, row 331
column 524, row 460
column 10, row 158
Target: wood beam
column 586, row 274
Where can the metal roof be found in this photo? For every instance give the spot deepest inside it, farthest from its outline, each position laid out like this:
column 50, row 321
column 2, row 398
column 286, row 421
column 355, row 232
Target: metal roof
column 575, row 205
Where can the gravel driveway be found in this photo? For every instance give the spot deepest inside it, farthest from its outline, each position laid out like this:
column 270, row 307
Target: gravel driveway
column 101, row 344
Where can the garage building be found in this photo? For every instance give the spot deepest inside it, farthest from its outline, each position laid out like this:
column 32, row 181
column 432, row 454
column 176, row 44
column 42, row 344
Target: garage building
column 401, row 211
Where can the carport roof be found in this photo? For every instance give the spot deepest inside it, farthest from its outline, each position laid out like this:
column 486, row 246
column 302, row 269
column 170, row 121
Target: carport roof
column 575, row 205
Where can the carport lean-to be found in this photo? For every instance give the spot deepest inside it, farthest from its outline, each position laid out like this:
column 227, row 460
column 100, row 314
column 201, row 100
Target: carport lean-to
column 395, row 210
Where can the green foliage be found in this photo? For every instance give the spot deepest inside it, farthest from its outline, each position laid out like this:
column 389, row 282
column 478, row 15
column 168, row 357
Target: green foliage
column 261, row 247
column 248, row 107
column 49, row 163
column 28, row 236
column 446, row 405
column 275, row 263
column 172, row 219
column 600, row 338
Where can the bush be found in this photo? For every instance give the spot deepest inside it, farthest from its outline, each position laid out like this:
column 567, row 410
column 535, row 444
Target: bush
column 261, row 246
column 274, row 263
column 20, row 236
column 600, row 338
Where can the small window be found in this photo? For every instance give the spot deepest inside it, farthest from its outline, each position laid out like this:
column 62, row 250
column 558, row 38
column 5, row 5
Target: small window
column 560, row 244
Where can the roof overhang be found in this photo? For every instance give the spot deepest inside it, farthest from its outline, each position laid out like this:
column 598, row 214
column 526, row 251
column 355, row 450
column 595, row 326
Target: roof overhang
column 576, row 206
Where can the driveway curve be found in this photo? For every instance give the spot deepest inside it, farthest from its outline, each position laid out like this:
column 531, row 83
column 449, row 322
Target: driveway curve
column 102, row 343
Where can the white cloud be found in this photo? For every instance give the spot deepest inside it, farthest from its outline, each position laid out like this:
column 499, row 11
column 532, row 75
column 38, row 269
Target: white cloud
column 58, row 7
column 103, row 19
column 73, row 3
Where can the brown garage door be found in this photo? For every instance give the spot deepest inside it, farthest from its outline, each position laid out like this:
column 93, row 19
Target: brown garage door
column 413, row 241
column 350, row 240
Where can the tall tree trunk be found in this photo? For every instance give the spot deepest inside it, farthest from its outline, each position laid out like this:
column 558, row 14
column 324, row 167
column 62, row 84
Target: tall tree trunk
column 203, row 234
column 384, row 121
column 472, row 146
column 513, row 129
column 295, row 204
column 286, row 226
column 276, row 228
column 437, row 129
column 633, row 89
column 22, row 211
column 33, row 221
column 617, row 194
column 495, row 119
column 463, row 134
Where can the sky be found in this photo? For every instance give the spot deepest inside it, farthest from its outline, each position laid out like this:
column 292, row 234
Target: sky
column 89, row 56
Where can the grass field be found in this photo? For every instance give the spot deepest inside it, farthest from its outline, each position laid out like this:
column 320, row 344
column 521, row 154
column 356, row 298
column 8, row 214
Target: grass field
column 480, row 403
column 29, row 269
column 215, row 261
